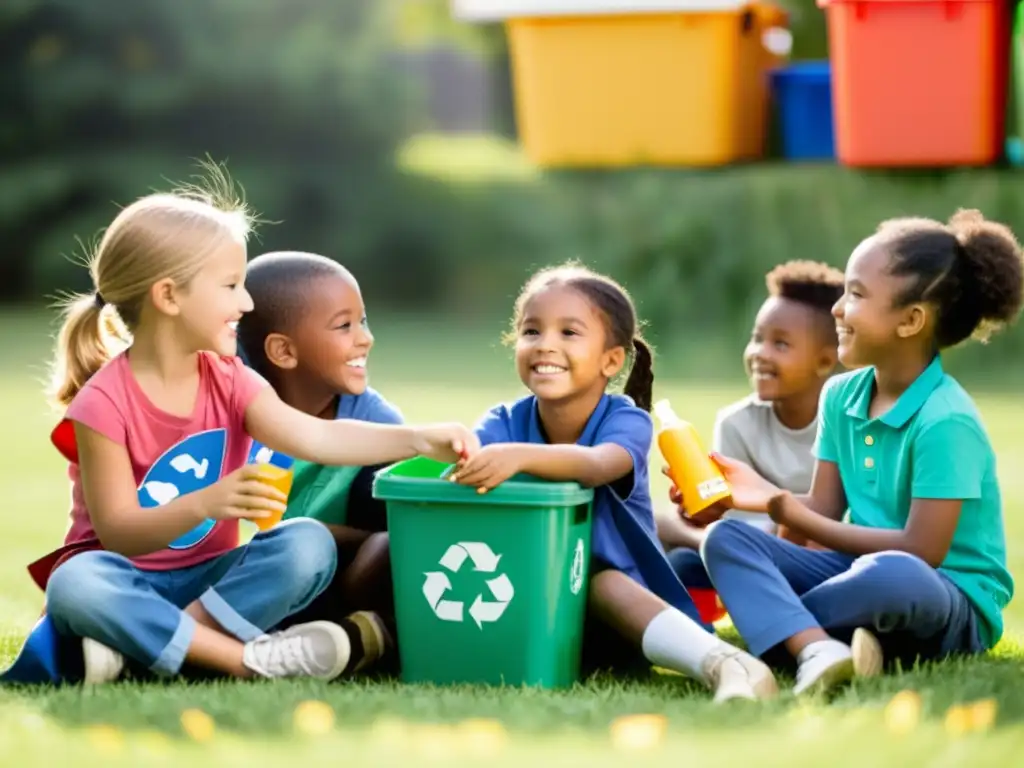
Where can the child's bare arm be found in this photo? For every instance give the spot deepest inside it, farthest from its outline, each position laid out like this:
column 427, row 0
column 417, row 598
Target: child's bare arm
column 928, row 533
column 589, row 466
column 788, row 534
column 113, row 503
column 827, row 496
column 674, row 531
column 348, row 441
column 123, row 526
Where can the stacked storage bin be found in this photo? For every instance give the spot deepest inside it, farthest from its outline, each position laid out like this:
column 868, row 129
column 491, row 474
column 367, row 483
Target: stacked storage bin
column 638, row 82
column 802, row 93
column 918, row 82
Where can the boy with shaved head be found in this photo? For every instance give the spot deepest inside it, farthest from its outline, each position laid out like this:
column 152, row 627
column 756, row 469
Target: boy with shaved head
column 308, row 336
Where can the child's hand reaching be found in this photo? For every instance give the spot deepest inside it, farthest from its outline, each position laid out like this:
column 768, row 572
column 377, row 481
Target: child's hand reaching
column 446, row 442
column 489, row 467
column 750, row 491
column 702, row 519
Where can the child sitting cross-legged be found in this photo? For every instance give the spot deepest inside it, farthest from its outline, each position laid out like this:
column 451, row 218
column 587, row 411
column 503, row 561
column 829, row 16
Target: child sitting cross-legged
column 575, row 331
column 308, row 336
column 905, row 492
column 789, row 358
column 159, row 417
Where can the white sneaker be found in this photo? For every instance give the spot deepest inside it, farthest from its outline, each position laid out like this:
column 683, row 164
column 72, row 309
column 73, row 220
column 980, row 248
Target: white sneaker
column 868, row 658
column 735, row 674
column 317, row 649
column 823, row 665
column 102, row 664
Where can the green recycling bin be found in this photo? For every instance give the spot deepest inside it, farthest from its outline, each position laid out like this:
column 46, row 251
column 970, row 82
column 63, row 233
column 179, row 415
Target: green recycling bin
column 488, row 588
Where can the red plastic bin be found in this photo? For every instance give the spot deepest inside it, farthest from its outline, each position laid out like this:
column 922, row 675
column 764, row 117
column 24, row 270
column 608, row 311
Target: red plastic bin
column 918, row 82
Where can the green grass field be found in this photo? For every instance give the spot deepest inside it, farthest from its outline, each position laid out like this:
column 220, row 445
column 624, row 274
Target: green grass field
column 440, row 373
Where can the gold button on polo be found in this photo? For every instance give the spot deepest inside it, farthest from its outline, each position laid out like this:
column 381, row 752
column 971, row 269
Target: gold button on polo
column 869, row 440
column 869, row 462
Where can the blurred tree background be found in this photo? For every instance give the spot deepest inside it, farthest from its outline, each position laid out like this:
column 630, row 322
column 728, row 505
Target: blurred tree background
column 381, row 133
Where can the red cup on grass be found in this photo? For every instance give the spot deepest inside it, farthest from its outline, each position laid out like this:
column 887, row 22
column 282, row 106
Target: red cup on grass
column 709, row 606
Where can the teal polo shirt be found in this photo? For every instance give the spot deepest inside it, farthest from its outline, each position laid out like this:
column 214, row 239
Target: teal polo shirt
column 930, row 445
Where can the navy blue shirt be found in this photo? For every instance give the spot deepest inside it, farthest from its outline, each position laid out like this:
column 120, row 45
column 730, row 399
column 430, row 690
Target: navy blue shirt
column 624, row 534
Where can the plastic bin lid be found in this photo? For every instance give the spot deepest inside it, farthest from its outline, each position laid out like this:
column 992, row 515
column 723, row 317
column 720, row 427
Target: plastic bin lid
column 496, row 10
column 420, row 480
column 807, row 70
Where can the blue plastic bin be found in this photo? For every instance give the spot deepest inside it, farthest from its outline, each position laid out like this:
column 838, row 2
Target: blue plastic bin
column 802, row 93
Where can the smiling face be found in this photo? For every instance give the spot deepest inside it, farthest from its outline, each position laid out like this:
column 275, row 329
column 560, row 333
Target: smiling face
column 561, row 346
column 871, row 325
column 332, row 341
column 788, row 352
column 214, row 300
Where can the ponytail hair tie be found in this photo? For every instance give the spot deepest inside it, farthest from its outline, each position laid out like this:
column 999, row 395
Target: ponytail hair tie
column 99, row 300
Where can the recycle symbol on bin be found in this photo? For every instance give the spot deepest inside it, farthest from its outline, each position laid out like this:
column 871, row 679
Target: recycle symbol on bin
column 482, row 610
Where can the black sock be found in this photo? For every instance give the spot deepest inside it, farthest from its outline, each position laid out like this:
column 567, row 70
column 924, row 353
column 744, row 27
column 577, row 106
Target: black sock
column 355, row 638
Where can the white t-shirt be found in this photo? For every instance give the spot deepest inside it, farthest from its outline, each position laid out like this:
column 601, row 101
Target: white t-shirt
column 750, row 431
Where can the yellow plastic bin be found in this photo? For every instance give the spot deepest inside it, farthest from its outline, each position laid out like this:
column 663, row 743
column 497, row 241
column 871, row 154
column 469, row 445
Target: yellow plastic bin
column 647, row 82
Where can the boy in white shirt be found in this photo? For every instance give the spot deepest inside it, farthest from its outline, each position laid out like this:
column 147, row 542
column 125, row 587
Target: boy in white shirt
column 790, row 356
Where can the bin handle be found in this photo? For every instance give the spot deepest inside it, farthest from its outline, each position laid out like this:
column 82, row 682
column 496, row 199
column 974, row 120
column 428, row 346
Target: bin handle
column 582, row 513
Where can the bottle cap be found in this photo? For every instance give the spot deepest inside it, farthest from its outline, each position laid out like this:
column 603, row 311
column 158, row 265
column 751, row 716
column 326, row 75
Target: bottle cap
column 667, row 416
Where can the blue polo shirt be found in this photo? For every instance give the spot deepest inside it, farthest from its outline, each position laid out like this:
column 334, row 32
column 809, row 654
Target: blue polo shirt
column 623, row 532
column 930, row 445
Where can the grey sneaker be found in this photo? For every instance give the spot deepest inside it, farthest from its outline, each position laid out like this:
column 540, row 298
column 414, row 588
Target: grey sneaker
column 735, row 674
column 317, row 649
column 868, row 658
column 102, row 664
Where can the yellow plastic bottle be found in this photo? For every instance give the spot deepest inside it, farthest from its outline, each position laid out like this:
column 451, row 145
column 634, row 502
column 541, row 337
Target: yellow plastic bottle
column 281, row 479
column 697, row 477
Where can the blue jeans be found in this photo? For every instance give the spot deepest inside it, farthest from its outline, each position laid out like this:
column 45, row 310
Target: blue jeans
column 774, row 589
column 249, row 590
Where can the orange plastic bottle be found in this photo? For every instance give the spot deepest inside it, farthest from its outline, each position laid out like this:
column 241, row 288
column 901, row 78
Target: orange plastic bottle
column 697, row 477
column 279, row 478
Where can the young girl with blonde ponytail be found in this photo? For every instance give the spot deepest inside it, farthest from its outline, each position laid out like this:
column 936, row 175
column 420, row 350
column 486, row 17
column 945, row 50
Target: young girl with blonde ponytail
column 159, row 416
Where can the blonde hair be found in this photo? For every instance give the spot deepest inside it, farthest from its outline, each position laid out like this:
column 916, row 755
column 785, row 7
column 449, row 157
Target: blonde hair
column 160, row 236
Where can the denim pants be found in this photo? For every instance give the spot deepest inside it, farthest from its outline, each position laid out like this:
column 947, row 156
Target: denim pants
column 774, row 589
column 249, row 590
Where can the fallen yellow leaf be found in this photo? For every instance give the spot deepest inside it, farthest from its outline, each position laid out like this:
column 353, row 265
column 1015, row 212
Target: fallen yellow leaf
column 903, row 712
column 958, row 720
column 983, row 714
column 634, row 733
column 198, row 725
column 313, row 718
